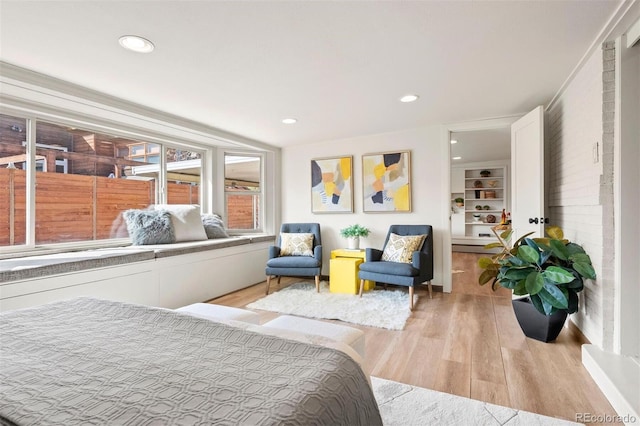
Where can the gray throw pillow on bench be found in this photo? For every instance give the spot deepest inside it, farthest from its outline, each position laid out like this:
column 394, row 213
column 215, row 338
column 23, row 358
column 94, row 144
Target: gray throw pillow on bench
column 214, row 226
column 149, row 227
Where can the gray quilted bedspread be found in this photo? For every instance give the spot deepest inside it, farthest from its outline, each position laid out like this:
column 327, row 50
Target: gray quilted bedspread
column 94, row 362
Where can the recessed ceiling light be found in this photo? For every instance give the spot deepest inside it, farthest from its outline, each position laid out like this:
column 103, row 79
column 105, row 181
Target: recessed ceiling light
column 136, row 44
column 457, row 158
column 409, row 98
column 453, row 141
column 289, row 120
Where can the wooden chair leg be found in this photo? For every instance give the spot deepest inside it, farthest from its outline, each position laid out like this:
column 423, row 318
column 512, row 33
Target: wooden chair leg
column 361, row 287
column 430, row 290
column 317, row 283
column 385, row 286
column 268, row 282
column 279, row 276
column 411, row 298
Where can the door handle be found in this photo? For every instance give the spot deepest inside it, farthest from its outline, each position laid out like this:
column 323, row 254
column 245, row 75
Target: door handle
column 536, row 221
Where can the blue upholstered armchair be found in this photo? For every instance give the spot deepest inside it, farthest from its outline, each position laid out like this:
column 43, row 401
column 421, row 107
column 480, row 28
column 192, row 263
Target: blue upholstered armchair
column 418, row 271
column 296, row 266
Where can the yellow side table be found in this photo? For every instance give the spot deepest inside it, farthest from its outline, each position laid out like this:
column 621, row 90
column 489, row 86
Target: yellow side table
column 343, row 271
column 343, row 275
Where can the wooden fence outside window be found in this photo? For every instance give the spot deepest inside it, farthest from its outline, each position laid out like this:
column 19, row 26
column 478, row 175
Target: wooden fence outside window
column 76, row 207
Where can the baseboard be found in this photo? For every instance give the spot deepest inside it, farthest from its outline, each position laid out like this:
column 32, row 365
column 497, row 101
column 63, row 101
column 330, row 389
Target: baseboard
column 576, row 330
column 619, row 379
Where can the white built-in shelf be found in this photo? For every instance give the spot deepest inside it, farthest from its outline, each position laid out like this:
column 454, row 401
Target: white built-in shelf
column 464, row 180
column 484, row 178
column 498, row 188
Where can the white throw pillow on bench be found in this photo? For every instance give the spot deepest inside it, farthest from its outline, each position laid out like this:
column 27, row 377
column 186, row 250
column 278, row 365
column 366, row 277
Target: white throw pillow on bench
column 187, row 225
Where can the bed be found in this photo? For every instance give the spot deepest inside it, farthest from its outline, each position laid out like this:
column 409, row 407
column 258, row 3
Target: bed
column 92, row 361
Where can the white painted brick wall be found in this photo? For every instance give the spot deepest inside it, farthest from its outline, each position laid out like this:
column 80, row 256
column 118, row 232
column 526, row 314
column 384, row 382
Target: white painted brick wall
column 580, row 191
column 607, row 277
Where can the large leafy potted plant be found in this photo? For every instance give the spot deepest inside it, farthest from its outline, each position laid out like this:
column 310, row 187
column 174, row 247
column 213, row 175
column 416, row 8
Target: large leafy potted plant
column 549, row 272
column 353, row 233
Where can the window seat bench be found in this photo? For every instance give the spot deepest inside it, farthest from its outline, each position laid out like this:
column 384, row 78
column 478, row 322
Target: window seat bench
column 173, row 274
column 166, row 250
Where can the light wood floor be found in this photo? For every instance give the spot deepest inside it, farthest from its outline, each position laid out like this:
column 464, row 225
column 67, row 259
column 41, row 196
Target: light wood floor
column 468, row 343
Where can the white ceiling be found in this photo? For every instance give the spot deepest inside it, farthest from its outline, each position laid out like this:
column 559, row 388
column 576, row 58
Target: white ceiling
column 338, row 67
column 481, row 145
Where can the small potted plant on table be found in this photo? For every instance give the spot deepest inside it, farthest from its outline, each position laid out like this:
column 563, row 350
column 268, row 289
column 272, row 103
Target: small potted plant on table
column 549, row 272
column 353, row 233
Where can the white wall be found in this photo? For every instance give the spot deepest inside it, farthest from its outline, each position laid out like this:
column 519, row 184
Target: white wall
column 574, row 179
column 429, row 163
column 615, row 364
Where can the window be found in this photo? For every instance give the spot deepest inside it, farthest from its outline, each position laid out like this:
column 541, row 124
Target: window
column 13, row 157
column 83, row 201
column 85, row 180
column 184, row 169
column 243, row 191
column 41, row 163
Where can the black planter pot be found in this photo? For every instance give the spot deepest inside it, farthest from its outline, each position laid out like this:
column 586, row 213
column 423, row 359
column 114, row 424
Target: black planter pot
column 536, row 325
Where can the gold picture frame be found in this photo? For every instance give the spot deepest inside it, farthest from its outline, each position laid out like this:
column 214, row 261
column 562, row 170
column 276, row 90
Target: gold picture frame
column 386, row 182
column 332, row 184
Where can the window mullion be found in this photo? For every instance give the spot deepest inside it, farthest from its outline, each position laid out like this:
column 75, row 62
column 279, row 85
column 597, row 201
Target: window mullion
column 30, row 219
column 162, row 176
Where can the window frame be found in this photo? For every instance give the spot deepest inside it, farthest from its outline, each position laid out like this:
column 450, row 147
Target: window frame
column 32, row 118
column 43, row 163
column 261, row 198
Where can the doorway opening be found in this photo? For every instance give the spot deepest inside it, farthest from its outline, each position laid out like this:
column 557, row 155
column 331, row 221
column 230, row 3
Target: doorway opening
column 480, row 181
column 449, row 207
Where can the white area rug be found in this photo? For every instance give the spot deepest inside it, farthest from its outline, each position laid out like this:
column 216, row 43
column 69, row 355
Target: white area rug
column 377, row 308
column 406, row 405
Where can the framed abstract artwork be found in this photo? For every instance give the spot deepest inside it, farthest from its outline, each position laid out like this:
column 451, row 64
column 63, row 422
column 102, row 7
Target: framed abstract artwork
column 332, row 185
column 386, row 182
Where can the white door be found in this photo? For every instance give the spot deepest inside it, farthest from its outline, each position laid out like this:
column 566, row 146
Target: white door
column 527, row 174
